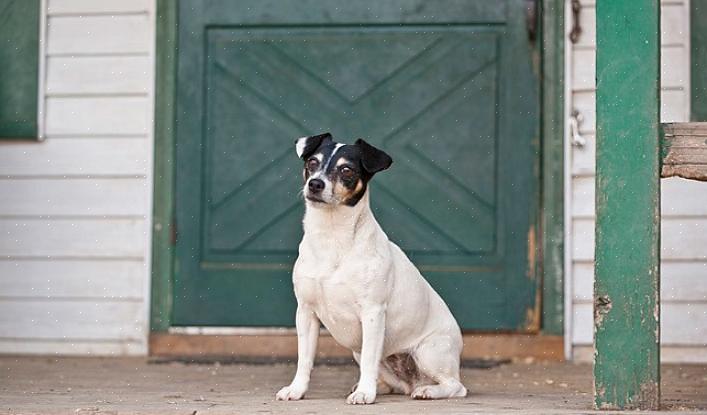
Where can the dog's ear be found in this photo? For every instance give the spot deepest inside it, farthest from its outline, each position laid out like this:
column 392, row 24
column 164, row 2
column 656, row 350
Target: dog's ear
column 373, row 159
column 306, row 146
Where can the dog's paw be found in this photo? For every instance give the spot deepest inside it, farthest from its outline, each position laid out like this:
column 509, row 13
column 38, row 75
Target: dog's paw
column 361, row 397
column 290, row 393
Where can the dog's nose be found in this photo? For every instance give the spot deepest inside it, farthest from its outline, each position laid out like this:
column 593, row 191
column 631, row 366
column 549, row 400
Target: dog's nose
column 316, row 185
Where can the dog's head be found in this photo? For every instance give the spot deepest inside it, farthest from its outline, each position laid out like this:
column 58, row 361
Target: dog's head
column 335, row 173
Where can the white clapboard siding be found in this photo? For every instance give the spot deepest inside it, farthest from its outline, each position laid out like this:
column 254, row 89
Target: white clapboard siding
column 583, row 162
column 86, row 7
column 72, row 347
column 91, row 156
column 73, row 238
column 679, row 197
column 681, row 239
column 674, row 74
column 71, row 319
column 74, row 197
column 97, row 116
column 40, row 278
column 681, row 324
column 679, row 281
column 75, row 210
column 78, row 75
column 98, row 35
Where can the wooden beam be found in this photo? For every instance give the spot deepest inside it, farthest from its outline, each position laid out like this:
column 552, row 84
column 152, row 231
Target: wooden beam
column 626, row 290
column 684, row 150
column 552, row 217
column 476, row 346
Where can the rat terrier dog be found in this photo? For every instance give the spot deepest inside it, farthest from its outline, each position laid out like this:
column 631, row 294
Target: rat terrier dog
column 363, row 288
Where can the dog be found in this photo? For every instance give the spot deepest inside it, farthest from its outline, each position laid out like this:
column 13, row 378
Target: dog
column 363, row 288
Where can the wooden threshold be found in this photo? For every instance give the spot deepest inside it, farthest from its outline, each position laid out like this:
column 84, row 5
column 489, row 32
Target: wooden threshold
column 476, row 346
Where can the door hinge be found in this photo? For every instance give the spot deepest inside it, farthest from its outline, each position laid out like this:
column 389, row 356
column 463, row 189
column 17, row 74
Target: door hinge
column 576, row 27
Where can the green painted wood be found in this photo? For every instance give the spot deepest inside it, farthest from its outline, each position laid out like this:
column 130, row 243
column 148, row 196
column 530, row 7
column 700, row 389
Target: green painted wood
column 698, row 59
column 19, row 54
column 626, row 290
column 445, row 86
column 553, row 232
column 163, row 232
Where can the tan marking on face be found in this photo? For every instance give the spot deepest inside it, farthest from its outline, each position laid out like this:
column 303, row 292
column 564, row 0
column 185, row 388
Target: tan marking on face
column 342, row 161
column 343, row 193
column 359, row 186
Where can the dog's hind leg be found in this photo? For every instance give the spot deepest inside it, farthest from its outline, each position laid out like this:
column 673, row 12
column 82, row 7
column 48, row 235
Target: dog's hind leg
column 388, row 382
column 437, row 357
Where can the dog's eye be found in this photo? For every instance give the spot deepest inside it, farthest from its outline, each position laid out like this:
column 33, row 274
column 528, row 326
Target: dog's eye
column 312, row 164
column 346, row 172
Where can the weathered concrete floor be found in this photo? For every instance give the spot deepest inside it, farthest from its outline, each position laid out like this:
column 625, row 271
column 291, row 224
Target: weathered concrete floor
column 119, row 385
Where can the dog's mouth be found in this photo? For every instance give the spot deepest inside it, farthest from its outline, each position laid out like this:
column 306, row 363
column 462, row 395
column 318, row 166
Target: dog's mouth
column 315, row 199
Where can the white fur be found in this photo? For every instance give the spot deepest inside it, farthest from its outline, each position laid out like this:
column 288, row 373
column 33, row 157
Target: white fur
column 300, row 145
column 373, row 301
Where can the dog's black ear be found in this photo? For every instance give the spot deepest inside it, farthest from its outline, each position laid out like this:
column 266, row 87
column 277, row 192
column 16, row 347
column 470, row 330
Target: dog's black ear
column 306, row 146
column 373, row 159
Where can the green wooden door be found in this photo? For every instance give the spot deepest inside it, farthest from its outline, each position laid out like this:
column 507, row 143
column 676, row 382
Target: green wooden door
column 445, row 86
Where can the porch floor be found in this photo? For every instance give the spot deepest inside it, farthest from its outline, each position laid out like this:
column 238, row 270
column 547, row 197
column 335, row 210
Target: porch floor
column 49, row 385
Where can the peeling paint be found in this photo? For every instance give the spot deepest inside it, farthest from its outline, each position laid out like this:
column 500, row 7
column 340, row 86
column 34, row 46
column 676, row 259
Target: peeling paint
column 532, row 255
column 602, row 307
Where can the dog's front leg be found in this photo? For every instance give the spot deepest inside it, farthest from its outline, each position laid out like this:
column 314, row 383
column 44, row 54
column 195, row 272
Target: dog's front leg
column 373, row 331
column 307, row 333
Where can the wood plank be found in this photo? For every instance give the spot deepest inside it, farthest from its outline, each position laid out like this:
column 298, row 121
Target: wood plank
column 164, row 174
column 99, row 34
column 58, row 157
column 679, row 197
column 74, row 278
column 681, row 239
column 684, row 150
column 77, row 75
column 681, row 324
column 679, row 281
column 75, row 197
column 97, row 116
column 698, row 59
column 72, row 347
column 19, row 70
column 488, row 346
column 628, row 239
column 84, row 238
column 84, row 7
column 79, row 320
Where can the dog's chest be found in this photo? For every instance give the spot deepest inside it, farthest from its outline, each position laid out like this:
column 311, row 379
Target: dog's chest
column 328, row 286
column 333, row 290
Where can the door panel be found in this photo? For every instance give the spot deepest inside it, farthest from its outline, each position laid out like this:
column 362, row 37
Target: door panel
column 451, row 98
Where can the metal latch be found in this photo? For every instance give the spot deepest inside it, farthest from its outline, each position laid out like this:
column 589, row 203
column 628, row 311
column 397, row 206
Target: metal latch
column 576, row 28
column 575, row 121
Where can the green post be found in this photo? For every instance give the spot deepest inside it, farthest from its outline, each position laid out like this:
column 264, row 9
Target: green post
column 626, row 290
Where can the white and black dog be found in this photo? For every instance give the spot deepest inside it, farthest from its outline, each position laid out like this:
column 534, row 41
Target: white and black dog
column 363, row 288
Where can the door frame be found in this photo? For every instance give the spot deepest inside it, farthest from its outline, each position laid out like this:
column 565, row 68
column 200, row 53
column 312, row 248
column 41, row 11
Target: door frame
column 546, row 236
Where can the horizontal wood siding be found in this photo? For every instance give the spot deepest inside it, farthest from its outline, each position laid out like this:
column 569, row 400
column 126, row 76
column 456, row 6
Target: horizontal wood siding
column 684, row 203
column 75, row 208
column 109, row 156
